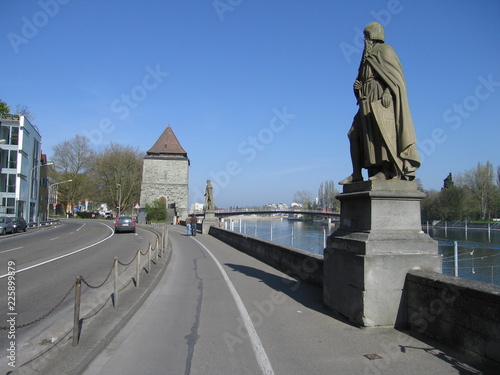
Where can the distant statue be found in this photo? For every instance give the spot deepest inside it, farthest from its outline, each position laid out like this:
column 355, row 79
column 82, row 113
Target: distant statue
column 382, row 137
column 209, row 197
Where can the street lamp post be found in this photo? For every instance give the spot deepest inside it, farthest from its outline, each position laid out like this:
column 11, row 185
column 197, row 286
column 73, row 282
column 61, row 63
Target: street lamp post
column 119, row 186
column 29, row 188
column 48, row 200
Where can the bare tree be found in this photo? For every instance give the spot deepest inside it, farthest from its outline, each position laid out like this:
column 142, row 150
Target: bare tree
column 74, row 156
column 327, row 196
column 303, row 197
column 480, row 183
column 118, row 169
column 73, row 160
column 23, row 110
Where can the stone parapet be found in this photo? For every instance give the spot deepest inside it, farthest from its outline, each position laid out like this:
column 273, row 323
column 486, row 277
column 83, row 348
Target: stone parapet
column 462, row 313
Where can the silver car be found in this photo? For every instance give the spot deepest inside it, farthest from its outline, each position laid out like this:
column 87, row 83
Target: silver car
column 125, row 224
column 6, row 225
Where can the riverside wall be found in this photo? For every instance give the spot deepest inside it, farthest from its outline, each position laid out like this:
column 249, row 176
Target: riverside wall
column 461, row 313
column 294, row 262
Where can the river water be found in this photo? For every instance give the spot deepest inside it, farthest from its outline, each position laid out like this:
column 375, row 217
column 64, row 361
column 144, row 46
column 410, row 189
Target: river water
column 478, row 250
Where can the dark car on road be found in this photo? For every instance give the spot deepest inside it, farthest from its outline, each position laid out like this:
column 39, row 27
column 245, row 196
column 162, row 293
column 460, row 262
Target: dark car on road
column 6, row 225
column 124, row 224
column 19, row 224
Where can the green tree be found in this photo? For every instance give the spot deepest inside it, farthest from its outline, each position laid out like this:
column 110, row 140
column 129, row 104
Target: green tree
column 4, row 108
column 429, row 206
column 156, row 211
column 451, row 203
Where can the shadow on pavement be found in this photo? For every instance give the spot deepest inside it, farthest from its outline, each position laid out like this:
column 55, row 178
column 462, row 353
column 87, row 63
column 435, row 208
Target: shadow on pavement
column 311, row 296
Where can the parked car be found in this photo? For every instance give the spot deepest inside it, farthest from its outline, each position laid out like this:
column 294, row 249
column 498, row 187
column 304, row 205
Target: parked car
column 19, row 224
column 125, row 224
column 6, row 225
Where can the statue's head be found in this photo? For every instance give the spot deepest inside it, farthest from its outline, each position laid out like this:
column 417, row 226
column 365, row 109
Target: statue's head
column 374, row 31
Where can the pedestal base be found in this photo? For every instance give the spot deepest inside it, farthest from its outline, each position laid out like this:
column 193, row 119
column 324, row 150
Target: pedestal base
column 379, row 240
column 209, row 220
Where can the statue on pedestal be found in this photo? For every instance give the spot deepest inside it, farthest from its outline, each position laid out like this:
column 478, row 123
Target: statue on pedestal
column 382, row 137
column 209, row 198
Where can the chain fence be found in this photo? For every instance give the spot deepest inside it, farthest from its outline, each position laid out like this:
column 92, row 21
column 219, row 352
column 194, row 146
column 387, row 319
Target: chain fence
column 158, row 250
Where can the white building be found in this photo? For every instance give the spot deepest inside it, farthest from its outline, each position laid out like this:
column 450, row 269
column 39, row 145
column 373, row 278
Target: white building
column 21, row 175
column 197, row 208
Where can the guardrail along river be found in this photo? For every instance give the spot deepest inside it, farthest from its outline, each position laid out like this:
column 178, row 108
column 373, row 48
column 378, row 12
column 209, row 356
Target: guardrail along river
column 478, row 249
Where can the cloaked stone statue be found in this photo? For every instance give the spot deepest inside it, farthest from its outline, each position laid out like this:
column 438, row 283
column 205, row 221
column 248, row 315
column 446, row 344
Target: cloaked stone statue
column 209, row 197
column 382, row 137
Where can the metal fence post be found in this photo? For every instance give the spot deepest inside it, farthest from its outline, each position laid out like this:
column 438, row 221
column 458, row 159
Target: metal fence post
column 76, row 315
column 138, row 268
column 116, row 282
column 157, row 250
column 455, row 248
column 149, row 258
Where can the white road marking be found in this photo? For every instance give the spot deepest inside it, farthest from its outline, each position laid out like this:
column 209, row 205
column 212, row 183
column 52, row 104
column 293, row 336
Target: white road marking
column 60, row 257
column 6, row 251
column 260, row 353
column 55, row 238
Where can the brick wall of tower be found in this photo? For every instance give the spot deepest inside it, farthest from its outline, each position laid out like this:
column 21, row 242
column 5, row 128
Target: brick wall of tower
column 166, row 176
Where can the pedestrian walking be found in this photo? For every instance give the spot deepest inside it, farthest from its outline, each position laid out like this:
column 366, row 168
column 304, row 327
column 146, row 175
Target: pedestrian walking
column 188, row 226
column 194, row 225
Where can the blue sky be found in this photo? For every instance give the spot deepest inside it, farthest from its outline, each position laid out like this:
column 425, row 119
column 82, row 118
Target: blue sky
column 259, row 93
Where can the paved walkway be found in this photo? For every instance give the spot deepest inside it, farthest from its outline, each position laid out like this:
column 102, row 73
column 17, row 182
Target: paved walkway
column 219, row 311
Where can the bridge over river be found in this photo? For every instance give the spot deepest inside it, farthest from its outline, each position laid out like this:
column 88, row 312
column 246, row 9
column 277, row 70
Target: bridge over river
column 319, row 213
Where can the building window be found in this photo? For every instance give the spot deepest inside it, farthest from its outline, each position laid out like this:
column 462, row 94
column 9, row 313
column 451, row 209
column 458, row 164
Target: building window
column 13, row 159
column 14, row 137
column 11, row 183
column 3, row 183
column 5, row 133
column 9, row 205
column 4, row 155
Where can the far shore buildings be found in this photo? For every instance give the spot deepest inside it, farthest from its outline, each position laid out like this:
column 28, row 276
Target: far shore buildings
column 165, row 175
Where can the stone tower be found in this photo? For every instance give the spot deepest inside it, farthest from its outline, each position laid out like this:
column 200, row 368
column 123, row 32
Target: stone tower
column 165, row 175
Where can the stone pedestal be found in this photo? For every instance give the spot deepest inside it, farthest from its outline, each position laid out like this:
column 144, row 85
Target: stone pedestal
column 379, row 240
column 209, row 220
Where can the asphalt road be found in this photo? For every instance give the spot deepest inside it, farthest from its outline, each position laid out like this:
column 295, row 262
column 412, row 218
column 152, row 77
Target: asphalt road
column 46, row 263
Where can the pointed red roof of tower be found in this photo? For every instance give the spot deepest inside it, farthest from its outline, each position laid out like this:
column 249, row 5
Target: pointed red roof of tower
column 167, row 144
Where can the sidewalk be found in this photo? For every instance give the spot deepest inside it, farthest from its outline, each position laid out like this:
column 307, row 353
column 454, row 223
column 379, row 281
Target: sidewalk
column 219, row 311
